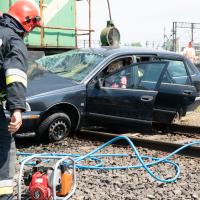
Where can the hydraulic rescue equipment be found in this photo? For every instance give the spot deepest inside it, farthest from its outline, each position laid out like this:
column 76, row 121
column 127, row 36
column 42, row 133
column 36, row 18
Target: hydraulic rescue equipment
column 45, row 182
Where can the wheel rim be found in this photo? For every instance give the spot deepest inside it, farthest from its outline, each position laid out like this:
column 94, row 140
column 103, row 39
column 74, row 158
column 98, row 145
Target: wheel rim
column 58, row 129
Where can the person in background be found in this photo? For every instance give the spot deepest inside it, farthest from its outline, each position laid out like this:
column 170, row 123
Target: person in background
column 189, row 52
column 22, row 17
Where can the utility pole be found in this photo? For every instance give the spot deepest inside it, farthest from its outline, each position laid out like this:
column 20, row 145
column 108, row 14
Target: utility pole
column 174, row 36
column 192, row 32
column 164, row 38
column 147, row 44
column 89, row 2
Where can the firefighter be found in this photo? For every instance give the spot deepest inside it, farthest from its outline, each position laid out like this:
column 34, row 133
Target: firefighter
column 22, row 17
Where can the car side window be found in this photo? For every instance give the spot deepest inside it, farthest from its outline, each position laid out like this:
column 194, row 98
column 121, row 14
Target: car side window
column 148, row 75
column 176, row 73
column 143, row 76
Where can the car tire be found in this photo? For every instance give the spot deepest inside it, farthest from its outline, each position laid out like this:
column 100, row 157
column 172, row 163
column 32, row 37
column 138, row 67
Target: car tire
column 55, row 127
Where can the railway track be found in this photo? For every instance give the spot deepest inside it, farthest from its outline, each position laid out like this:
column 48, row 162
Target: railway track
column 179, row 136
column 178, row 128
column 160, row 137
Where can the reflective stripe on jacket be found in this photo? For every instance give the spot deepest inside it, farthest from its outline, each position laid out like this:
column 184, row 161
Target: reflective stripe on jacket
column 6, row 190
column 6, row 187
column 16, row 75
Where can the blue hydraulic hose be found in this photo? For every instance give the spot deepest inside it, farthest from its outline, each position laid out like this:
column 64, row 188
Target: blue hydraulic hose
column 96, row 157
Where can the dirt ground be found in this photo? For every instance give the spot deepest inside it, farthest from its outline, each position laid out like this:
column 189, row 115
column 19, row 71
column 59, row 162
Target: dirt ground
column 192, row 119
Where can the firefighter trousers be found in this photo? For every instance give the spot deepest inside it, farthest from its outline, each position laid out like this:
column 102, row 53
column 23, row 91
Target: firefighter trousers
column 7, row 158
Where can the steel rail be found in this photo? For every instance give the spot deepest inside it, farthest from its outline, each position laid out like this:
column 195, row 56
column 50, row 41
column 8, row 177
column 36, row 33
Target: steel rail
column 177, row 128
column 192, row 151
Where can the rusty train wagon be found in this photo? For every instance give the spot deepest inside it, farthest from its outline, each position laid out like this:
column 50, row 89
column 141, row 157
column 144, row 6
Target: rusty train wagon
column 59, row 22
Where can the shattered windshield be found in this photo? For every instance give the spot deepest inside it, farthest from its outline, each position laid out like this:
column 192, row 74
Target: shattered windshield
column 74, row 64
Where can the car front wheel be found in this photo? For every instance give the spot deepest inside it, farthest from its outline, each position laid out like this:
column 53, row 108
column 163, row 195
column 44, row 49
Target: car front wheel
column 55, row 127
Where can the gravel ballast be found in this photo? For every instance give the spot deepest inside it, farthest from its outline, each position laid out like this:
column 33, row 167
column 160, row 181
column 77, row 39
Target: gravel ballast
column 124, row 184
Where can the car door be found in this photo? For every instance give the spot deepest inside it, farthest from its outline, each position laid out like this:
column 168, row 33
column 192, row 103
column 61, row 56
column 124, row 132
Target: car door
column 127, row 95
column 175, row 92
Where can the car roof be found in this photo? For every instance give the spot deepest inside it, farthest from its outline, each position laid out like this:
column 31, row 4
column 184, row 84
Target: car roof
column 107, row 51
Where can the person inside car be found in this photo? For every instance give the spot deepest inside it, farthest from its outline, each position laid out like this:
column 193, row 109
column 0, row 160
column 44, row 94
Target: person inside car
column 118, row 80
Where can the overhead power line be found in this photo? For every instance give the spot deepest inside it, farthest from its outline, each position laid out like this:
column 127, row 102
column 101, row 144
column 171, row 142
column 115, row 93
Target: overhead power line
column 185, row 25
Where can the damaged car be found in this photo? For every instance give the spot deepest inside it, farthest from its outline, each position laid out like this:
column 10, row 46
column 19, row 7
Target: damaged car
column 107, row 87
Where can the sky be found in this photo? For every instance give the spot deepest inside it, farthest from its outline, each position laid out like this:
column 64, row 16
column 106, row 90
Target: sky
column 141, row 20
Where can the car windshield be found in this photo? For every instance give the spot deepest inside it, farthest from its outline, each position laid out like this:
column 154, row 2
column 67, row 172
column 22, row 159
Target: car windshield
column 74, row 64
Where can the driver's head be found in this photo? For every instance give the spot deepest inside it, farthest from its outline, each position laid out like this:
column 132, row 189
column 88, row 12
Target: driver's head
column 115, row 66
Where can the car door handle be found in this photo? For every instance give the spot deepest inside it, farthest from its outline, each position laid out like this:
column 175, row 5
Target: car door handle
column 187, row 92
column 146, row 98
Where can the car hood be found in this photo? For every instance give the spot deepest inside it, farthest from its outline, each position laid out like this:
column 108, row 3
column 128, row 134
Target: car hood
column 47, row 82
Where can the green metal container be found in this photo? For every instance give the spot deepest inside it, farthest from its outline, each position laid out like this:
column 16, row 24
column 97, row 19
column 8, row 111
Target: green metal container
column 58, row 15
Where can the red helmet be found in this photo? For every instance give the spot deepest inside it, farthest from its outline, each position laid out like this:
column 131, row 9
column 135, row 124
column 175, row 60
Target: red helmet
column 27, row 13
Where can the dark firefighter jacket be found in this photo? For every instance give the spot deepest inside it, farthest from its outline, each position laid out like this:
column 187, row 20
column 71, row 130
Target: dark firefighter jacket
column 13, row 64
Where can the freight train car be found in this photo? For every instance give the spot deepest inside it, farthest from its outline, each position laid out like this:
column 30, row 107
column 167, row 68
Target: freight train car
column 59, row 30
